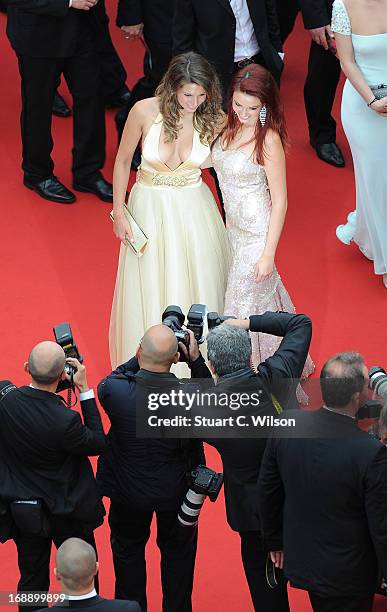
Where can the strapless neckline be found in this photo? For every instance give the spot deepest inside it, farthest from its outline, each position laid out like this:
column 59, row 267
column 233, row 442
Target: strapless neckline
column 255, row 165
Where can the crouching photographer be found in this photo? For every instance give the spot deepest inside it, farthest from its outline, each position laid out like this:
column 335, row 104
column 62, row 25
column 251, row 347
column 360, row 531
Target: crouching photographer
column 144, row 476
column 47, row 486
column 229, row 358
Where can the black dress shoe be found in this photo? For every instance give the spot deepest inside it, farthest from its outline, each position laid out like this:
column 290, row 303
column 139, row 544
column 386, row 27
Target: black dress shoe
column 101, row 188
column 119, row 99
column 59, row 106
column 331, row 154
column 51, row 189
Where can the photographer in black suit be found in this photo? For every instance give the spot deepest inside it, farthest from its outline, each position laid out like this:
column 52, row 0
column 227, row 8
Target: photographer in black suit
column 76, row 568
column 323, row 496
column 46, row 479
column 143, row 476
column 230, row 34
column 323, row 72
column 51, row 38
column 229, row 356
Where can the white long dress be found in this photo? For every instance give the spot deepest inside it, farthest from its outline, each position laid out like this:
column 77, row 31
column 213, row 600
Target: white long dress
column 187, row 257
column 366, row 132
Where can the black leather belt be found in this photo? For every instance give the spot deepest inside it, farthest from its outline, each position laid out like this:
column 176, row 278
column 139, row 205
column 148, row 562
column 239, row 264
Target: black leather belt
column 256, row 59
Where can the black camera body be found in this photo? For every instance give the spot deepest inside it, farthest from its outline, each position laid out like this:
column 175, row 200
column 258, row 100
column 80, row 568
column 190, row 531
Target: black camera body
column 64, row 337
column 174, row 318
column 206, row 482
column 214, row 319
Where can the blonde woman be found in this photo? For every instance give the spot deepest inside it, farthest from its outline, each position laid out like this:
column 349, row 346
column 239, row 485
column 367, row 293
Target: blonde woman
column 186, row 259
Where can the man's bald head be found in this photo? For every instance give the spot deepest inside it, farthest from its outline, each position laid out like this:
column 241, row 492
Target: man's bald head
column 159, row 346
column 46, row 362
column 76, row 564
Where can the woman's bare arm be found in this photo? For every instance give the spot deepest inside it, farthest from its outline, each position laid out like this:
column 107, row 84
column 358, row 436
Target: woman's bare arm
column 275, row 167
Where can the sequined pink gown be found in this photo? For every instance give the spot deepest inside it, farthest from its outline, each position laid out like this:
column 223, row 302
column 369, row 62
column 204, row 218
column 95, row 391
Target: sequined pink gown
column 247, row 205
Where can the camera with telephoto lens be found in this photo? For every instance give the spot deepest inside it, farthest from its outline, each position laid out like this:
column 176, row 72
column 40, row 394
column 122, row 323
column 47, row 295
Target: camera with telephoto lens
column 174, row 318
column 64, row 337
column 378, row 381
column 204, row 483
column 214, row 319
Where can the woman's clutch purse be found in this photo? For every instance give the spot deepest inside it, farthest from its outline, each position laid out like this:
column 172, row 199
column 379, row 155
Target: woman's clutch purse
column 379, row 91
column 140, row 239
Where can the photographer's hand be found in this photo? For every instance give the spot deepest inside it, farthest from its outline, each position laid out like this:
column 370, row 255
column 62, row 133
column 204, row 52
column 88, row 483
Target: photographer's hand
column 192, row 353
column 242, row 323
column 79, row 377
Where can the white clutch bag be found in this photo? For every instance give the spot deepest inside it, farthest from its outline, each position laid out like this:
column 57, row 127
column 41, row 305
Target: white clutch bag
column 140, row 239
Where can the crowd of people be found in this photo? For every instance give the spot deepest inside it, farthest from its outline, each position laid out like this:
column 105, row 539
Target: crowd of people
column 311, row 502
column 309, row 509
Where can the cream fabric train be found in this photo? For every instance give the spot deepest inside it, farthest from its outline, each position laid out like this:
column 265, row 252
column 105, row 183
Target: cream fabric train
column 187, row 257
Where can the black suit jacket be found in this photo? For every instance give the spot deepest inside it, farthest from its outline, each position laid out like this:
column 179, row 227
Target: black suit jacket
column 156, row 15
column 144, row 473
column 99, row 604
column 209, row 29
column 242, row 457
column 329, row 494
column 44, row 448
column 316, row 13
column 49, row 28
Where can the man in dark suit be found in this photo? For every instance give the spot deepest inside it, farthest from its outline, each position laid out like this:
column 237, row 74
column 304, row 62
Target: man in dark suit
column 326, row 489
column 114, row 91
column 76, row 568
column 152, row 20
column 49, row 39
column 230, row 34
column 143, row 476
column 46, row 478
column 323, row 72
column 229, row 355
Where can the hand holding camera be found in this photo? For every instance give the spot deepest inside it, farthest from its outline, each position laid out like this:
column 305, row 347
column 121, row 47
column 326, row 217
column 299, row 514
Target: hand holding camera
column 76, row 374
column 189, row 348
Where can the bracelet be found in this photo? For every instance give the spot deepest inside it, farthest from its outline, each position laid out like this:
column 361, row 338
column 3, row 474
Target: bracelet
column 372, row 101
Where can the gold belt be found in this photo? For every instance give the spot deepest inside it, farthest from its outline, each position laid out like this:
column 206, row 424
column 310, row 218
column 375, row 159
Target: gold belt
column 168, row 179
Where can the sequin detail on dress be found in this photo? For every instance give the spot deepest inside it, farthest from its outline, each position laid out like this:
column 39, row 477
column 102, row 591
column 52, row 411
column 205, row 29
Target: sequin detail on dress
column 340, row 19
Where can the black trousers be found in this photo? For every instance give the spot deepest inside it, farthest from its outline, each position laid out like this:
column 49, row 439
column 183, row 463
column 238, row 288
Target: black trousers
column 34, row 555
column 321, row 81
column 113, row 73
column 339, row 604
column 156, row 62
column 130, row 531
column 39, row 79
column 264, row 598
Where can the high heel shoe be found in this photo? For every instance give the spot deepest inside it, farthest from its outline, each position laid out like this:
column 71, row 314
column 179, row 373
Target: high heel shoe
column 345, row 233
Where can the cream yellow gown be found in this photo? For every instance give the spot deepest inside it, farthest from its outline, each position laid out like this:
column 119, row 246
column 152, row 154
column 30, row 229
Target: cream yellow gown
column 186, row 260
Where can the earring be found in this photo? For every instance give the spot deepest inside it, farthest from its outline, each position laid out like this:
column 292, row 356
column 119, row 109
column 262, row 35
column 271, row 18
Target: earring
column 262, row 115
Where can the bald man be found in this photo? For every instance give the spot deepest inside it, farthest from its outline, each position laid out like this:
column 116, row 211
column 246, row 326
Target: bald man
column 143, row 476
column 76, row 568
column 45, row 474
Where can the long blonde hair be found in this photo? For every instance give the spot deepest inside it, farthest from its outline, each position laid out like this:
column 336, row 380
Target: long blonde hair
column 190, row 68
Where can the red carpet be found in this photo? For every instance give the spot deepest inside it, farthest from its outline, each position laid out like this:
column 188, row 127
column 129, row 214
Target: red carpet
column 59, row 263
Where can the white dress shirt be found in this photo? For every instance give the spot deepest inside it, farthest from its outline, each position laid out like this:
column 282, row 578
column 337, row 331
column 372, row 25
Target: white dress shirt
column 246, row 44
column 92, row 593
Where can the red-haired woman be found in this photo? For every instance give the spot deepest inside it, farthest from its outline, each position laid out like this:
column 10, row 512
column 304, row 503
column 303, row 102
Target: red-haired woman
column 249, row 159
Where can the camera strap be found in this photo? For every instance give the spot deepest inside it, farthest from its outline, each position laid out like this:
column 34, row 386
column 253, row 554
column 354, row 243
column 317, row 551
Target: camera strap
column 274, row 401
